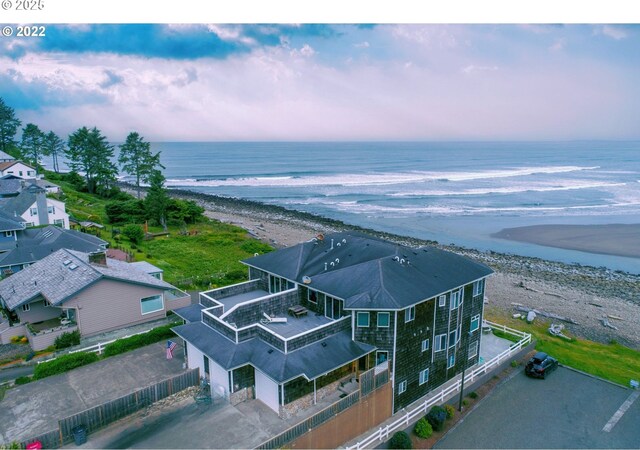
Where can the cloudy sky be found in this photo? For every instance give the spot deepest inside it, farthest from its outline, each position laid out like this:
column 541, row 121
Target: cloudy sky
column 329, row 82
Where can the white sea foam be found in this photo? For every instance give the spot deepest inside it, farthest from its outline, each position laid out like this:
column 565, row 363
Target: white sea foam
column 506, row 190
column 373, row 179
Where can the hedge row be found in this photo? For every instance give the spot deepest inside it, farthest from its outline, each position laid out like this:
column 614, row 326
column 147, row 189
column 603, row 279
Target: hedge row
column 63, row 364
column 140, row 340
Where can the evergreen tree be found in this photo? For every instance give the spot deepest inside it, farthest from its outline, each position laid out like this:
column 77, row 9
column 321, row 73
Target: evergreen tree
column 9, row 125
column 136, row 159
column 157, row 201
column 54, row 147
column 32, row 144
column 89, row 152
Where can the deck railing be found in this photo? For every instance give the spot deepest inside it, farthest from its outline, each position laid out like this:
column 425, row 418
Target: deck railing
column 383, row 433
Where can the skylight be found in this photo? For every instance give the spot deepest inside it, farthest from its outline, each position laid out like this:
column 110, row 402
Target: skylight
column 66, row 262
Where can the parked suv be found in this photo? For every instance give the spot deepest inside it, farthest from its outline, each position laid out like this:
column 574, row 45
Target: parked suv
column 540, row 365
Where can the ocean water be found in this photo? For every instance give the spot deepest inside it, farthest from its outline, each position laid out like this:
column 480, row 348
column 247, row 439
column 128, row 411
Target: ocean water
column 451, row 192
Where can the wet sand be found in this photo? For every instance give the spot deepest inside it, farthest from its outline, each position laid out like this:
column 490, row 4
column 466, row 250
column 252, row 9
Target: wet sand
column 612, row 239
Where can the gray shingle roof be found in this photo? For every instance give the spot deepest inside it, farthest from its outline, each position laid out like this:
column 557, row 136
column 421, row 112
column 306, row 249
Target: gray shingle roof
column 10, row 186
column 10, row 223
column 311, row 361
column 5, row 156
column 146, row 267
column 65, row 273
column 19, row 204
column 370, row 273
column 33, row 244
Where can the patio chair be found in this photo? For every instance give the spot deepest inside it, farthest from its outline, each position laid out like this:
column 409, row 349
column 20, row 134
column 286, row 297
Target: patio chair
column 268, row 319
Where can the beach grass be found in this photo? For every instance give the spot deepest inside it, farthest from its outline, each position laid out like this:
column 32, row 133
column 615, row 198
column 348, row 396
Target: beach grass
column 207, row 256
column 613, row 362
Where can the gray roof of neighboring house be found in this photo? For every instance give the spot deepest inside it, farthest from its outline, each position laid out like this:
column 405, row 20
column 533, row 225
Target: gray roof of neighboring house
column 5, row 156
column 311, row 361
column 10, row 186
column 44, row 184
column 20, row 203
column 146, row 267
column 370, row 273
column 10, row 223
column 33, row 244
column 64, row 274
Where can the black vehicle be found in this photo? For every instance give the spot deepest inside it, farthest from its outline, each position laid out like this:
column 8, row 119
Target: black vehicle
column 540, row 365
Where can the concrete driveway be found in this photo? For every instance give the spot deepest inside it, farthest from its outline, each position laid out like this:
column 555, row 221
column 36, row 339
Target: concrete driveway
column 566, row 410
column 32, row 409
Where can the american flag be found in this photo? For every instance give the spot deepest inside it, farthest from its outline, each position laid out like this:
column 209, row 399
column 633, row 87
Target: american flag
column 170, row 347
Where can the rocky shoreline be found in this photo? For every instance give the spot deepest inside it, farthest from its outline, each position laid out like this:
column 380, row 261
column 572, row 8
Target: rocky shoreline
column 584, row 293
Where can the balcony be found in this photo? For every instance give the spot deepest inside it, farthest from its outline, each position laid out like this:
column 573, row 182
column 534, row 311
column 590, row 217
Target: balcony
column 43, row 334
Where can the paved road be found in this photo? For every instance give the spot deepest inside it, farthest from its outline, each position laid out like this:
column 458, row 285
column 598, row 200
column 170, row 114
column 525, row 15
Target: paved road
column 566, row 410
column 14, row 372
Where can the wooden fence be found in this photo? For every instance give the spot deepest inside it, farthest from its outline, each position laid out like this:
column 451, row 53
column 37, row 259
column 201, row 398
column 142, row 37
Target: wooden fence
column 102, row 415
column 326, row 414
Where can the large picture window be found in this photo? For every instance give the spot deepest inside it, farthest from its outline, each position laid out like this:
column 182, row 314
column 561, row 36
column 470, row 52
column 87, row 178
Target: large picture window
column 362, row 319
column 151, row 304
column 383, row 320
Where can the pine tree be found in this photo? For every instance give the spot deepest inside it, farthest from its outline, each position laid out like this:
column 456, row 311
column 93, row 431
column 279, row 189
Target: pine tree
column 89, row 152
column 54, row 147
column 157, row 201
column 9, row 125
column 32, row 144
column 136, row 159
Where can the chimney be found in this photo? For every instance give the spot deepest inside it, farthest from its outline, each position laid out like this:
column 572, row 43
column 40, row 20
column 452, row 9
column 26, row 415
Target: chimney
column 98, row 258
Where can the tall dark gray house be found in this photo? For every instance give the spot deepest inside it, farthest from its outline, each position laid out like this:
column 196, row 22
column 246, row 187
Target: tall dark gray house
column 336, row 305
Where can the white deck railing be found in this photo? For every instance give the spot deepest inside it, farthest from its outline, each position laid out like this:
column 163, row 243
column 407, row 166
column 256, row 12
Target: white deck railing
column 383, row 433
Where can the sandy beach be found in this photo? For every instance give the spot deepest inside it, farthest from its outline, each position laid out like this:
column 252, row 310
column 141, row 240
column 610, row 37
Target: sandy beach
column 611, row 239
column 581, row 293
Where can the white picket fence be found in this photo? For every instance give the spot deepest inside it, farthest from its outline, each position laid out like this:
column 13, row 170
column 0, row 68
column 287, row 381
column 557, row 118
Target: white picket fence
column 383, row 433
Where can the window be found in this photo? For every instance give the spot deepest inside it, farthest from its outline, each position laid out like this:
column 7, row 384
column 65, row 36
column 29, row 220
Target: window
column 151, row 304
column 20, row 171
column 362, row 319
column 441, row 342
column 381, row 356
column 425, row 345
column 383, row 320
column 409, row 314
column 33, row 211
column 312, row 296
column 59, row 223
column 442, row 300
column 453, row 338
column 26, row 307
column 473, row 349
column 456, row 298
column 277, row 284
column 475, row 323
column 51, row 209
column 478, row 287
column 452, row 361
column 402, row 387
column 424, row 376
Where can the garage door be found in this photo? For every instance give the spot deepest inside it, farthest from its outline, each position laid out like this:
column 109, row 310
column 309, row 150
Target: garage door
column 267, row 391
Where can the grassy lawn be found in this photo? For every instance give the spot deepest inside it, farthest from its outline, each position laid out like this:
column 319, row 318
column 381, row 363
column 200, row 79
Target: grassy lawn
column 206, row 257
column 612, row 362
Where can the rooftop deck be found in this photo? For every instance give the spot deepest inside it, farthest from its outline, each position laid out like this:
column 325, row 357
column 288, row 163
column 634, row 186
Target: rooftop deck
column 233, row 300
column 298, row 325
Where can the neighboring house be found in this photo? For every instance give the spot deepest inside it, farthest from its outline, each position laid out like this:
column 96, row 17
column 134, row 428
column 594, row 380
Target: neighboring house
column 5, row 157
column 48, row 186
column 332, row 307
column 19, row 169
column 22, row 247
column 70, row 290
column 35, row 209
column 10, row 186
column 148, row 268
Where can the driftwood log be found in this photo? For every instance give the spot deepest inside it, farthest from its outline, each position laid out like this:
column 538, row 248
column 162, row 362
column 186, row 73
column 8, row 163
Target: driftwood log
column 546, row 314
column 606, row 323
column 524, row 286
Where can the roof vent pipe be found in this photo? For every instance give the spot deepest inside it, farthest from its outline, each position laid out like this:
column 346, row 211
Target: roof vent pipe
column 325, row 266
column 331, row 244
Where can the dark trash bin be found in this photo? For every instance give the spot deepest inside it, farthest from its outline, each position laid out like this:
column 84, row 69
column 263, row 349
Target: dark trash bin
column 79, row 434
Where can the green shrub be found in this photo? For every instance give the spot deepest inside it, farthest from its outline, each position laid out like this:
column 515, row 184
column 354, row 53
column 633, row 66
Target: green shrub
column 129, row 211
column 254, row 246
column 514, row 363
column 450, row 410
column 23, row 380
column 436, row 417
column 465, row 402
column 400, row 440
column 63, row 364
column 423, row 428
column 66, row 340
column 140, row 340
column 133, row 232
column 473, row 394
column 11, row 445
